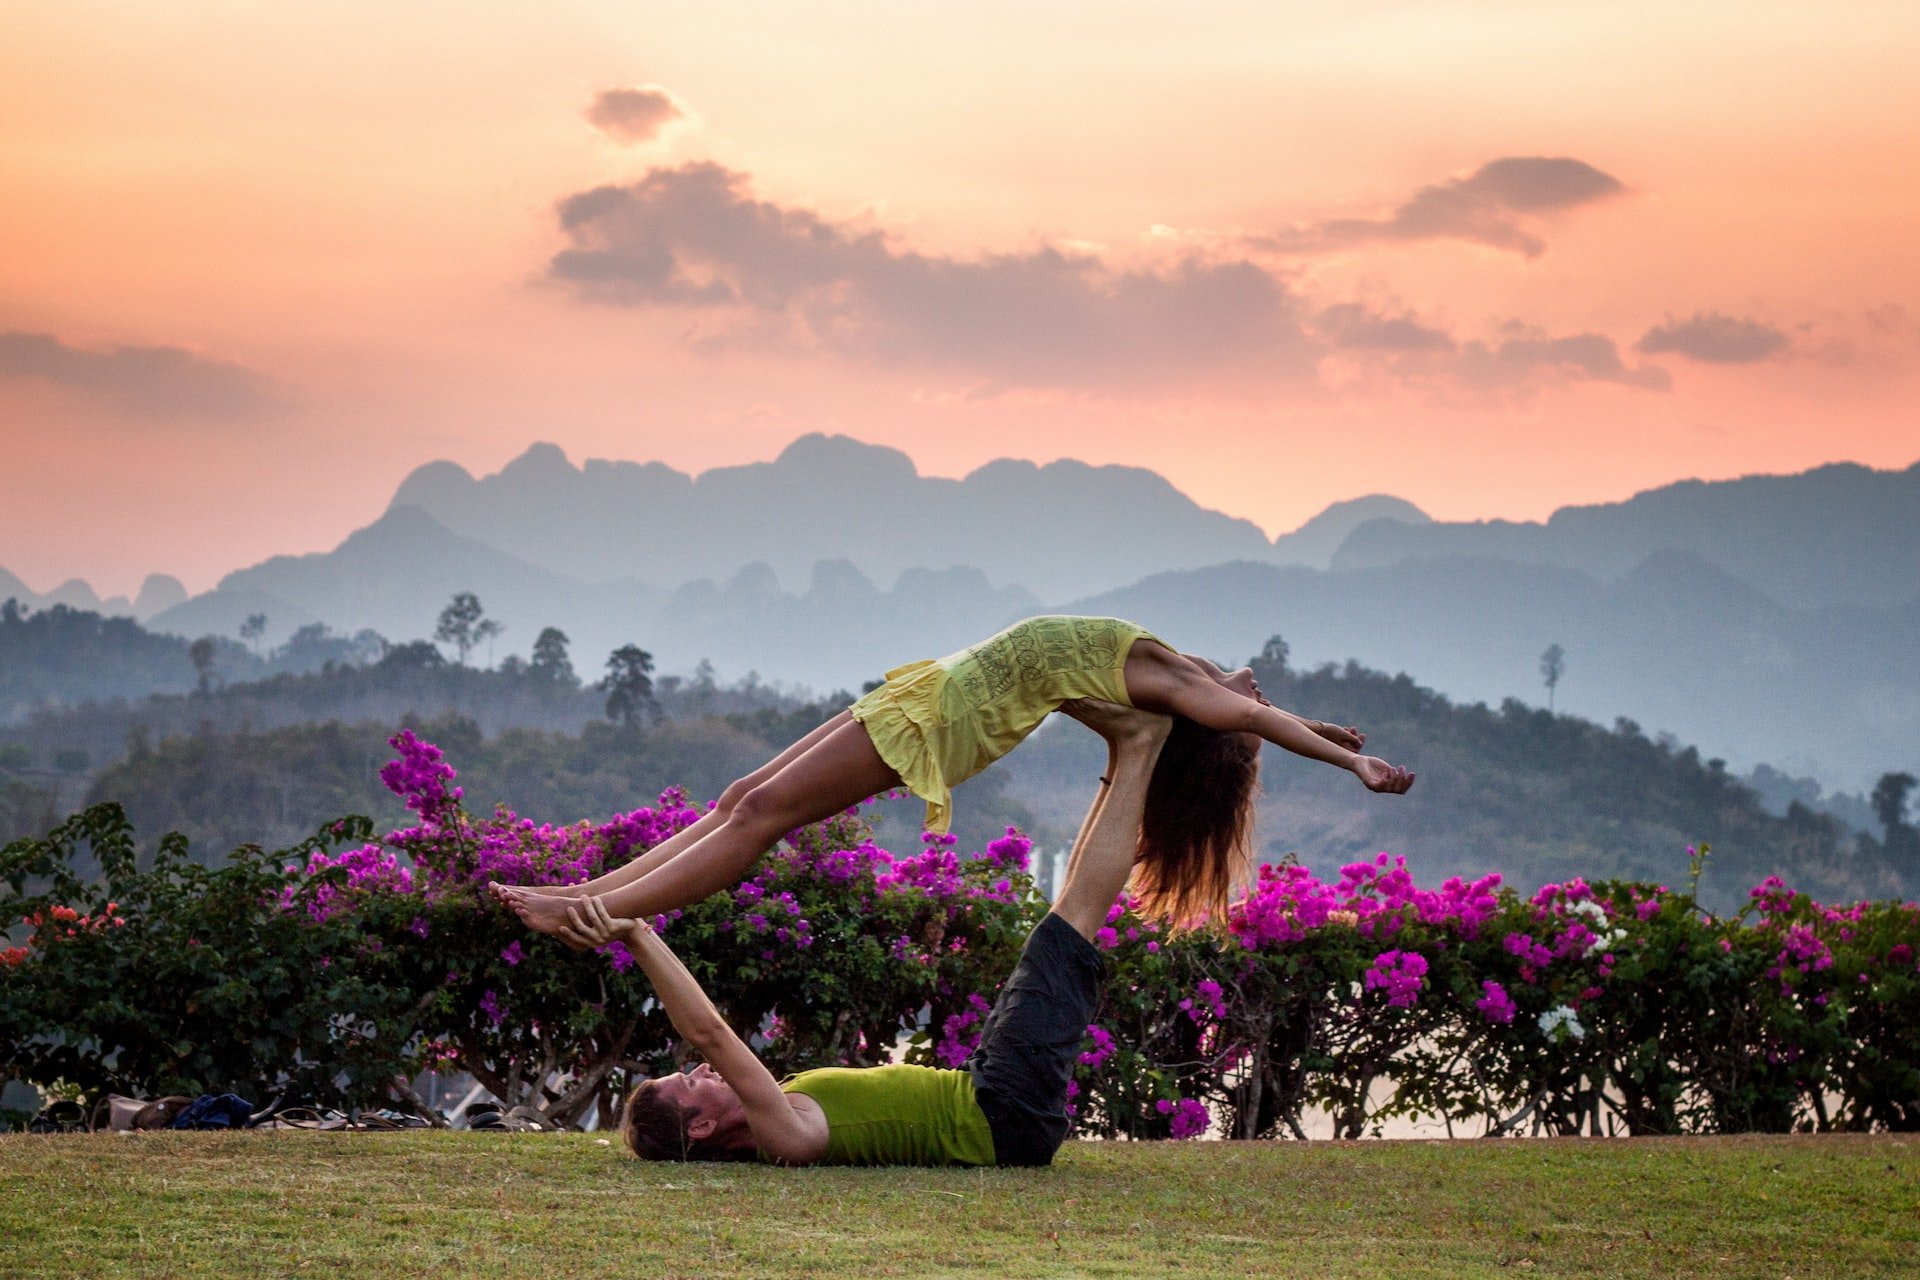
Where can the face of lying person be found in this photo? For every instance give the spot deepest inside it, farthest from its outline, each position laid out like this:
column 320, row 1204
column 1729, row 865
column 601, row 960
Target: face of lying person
column 706, row 1093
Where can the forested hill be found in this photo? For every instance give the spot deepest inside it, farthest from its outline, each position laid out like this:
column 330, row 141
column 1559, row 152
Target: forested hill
column 1534, row 796
column 1541, row 797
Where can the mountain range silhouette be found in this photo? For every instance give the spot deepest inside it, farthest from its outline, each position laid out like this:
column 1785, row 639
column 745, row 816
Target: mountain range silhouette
column 1765, row 618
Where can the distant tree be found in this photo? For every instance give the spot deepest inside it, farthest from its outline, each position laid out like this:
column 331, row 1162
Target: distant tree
column 461, row 625
column 704, row 686
column 1274, row 654
column 415, row 655
column 202, row 653
column 1553, row 664
column 550, row 661
column 487, row 630
column 1889, row 801
column 253, row 628
column 369, row 646
column 629, row 684
column 314, row 648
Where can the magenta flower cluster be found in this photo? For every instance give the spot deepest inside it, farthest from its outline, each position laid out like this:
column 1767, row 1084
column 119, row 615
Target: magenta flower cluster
column 369, row 869
column 960, row 1033
column 1400, row 974
column 1190, row 1116
column 937, row 871
column 1495, row 1004
column 1287, row 902
column 421, row 777
column 1102, row 1049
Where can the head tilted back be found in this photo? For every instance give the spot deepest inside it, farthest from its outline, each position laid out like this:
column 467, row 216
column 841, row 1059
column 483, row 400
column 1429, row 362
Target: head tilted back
column 655, row 1128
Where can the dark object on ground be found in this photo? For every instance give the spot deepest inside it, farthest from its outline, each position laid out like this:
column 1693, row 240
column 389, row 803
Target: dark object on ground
column 65, row 1116
column 115, row 1113
column 487, row 1115
column 214, row 1111
column 161, row 1112
column 324, row 1119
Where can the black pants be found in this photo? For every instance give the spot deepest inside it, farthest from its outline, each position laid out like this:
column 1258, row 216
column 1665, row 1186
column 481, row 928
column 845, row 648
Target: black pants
column 1031, row 1040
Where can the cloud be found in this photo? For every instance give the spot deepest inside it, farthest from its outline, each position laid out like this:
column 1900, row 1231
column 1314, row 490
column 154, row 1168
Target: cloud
column 1354, row 327
column 1715, row 339
column 149, row 382
column 695, row 237
column 1579, row 357
column 1491, row 206
column 634, row 114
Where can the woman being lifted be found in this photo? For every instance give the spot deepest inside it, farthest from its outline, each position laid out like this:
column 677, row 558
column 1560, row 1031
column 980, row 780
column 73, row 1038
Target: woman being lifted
column 934, row 724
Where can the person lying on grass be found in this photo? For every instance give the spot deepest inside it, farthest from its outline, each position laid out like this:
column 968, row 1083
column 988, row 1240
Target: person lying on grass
column 1006, row 1106
column 933, row 724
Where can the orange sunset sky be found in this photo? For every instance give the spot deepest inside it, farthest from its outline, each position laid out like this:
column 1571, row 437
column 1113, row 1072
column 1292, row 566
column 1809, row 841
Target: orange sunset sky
column 258, row 261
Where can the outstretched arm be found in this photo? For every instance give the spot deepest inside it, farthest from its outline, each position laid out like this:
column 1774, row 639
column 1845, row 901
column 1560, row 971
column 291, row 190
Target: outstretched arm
column 778, row 1129
column 1158, row 679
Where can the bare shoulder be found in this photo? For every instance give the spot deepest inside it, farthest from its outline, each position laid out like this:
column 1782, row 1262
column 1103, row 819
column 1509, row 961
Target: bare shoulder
column 804, row 1139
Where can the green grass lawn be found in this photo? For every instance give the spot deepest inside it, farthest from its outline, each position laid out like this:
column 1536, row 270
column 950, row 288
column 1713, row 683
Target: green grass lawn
column 536, row 1205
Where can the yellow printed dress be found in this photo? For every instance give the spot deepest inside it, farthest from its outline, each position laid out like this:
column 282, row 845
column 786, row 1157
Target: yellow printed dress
column 939, row 722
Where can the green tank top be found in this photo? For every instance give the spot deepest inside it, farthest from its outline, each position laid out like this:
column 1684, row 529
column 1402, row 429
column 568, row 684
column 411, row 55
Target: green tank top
column 897, row 1115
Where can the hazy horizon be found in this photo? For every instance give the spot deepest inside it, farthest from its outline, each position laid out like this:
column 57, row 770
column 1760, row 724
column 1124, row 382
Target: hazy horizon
column 127, row 583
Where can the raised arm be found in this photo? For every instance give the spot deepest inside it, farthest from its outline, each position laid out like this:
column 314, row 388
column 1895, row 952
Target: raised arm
column 787, row 1135
column 1158, row 679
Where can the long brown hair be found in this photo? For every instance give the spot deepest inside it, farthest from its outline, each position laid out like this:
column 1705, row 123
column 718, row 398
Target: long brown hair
column 1196, row 835
column 655, row 1128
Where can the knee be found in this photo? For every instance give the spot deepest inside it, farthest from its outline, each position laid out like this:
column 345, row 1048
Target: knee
column 730, row 798
column 761, row 809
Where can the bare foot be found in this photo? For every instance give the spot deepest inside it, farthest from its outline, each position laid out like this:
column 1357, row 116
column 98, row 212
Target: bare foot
column 500, row 891
column 541, row 912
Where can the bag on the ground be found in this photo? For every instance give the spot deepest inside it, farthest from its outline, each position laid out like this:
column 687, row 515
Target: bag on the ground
column 214, row 1111
column 159, row 1113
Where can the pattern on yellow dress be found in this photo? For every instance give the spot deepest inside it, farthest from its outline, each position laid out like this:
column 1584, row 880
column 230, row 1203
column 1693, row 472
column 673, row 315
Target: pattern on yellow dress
column 939, row 722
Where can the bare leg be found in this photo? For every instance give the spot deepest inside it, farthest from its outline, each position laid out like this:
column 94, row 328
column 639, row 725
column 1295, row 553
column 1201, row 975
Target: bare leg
column 1102, row 858
column 708, row 822
column 836, row 772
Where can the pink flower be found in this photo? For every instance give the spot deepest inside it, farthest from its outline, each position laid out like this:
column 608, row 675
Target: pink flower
column 1102, row 1047
column 1400, row 974
column 1190, row 1116
column 1496, row 1005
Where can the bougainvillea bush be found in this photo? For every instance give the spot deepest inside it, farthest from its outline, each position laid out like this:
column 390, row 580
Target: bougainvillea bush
column 339, row 970
column 1615, row 1007
column 383, row 957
